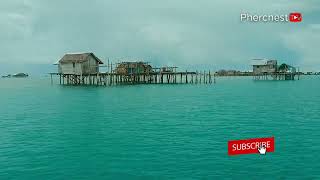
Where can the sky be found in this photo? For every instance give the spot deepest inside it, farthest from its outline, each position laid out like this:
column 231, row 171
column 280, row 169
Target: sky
column 202, row 34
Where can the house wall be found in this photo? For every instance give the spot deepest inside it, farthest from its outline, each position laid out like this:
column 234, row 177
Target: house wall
column 91, row 66
column 264, row 69
column 70, row 68
column 121, row 69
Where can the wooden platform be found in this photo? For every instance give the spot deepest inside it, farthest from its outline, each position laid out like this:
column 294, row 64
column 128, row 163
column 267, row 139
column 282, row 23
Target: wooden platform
column 108, row 79
column 276, row 76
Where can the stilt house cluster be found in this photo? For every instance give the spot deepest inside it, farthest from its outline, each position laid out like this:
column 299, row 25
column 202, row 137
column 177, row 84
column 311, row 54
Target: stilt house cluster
column 84, row 69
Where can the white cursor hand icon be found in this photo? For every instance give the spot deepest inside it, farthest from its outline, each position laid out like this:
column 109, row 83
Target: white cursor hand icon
column 262, row 149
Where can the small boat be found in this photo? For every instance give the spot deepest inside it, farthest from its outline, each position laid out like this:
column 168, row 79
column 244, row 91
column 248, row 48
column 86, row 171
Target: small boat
column 20, row 75
column 6, row 76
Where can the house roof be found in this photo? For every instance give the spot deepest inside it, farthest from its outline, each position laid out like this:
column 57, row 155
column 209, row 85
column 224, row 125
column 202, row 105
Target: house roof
column 78, row 58
column 133, row 62
column 261, row 62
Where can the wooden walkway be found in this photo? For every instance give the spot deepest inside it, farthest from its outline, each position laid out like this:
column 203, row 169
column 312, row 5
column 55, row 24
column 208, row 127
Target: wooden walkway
column 109, row 79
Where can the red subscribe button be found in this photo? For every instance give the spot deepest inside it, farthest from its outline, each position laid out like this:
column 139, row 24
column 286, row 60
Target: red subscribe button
column 251, row 146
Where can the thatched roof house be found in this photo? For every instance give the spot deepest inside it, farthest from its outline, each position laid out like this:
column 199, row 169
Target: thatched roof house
column 286, row 68
column 79, row 63
column 128, row 68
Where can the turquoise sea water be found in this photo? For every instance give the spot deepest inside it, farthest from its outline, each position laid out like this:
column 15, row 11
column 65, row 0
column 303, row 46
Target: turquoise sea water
column 158, row 131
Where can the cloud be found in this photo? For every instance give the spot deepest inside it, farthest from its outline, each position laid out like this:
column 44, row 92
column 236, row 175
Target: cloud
column 305, row 42
column 166, row 32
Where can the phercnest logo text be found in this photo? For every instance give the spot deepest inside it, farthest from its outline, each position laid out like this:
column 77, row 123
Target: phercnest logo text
column 291, row 17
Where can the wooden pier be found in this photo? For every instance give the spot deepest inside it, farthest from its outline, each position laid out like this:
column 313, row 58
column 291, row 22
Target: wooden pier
column 109, row 79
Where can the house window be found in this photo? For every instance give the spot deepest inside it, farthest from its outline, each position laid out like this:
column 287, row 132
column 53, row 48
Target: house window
column 73, row 65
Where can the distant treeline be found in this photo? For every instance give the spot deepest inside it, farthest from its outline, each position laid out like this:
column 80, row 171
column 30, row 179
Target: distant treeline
column 249, row 73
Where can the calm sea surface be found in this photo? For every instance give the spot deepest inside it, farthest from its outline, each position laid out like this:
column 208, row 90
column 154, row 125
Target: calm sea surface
column 158, row 131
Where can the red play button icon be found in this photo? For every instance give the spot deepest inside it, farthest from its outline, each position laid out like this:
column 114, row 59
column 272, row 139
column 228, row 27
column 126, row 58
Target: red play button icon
column 295, row 17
